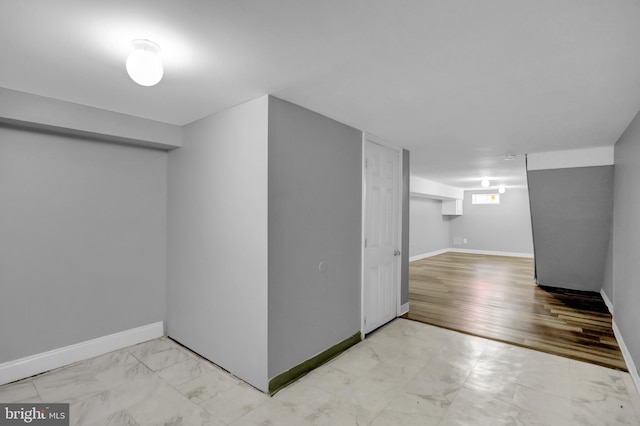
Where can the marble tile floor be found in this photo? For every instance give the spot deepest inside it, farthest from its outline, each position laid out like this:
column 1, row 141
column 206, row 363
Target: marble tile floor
column 406, row 373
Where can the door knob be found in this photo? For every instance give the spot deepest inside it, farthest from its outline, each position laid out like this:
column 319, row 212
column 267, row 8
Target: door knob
column 396, row 252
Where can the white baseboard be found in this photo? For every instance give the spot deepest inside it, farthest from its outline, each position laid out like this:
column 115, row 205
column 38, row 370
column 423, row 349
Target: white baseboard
column 607, row 301
column 404, row 309
column 633, row 371
column 470, row 251
column 425, row 255
column 491, row 252
column 39, row 363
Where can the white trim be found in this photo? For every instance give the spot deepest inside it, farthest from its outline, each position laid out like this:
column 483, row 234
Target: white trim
column 400, row 217
column 404, row 309
column 39, row 363
column 587, row 157
column 607, row 301
column 491, row 252
column 633, row 371
column 430, row 254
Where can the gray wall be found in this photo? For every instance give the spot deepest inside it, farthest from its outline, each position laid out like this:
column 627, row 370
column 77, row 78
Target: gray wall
column 505, row 227
column 217, row 239
column 607, row 280
column 571, row 211
column 625, row 293
column 315, row 199
column 404, row 261
column 82, row 240
column 429, row 229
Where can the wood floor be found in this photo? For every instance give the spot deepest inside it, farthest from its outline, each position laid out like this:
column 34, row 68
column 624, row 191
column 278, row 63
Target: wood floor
column 496, row 297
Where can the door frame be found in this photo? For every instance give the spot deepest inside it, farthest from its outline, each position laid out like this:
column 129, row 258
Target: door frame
column 374, row 139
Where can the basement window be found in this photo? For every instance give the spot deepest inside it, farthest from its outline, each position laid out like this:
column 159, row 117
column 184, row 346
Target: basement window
column 485, row 198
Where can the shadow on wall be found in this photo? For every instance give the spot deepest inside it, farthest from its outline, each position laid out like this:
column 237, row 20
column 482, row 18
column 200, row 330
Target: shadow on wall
column 572, row 213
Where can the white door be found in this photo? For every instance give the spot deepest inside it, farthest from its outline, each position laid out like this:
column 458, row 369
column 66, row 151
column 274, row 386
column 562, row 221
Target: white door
column 381, row 280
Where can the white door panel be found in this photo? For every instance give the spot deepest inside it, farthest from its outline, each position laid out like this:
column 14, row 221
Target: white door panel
column 381, row 253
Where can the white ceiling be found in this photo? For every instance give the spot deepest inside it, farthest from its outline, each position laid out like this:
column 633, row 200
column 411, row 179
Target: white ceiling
column 459, row 83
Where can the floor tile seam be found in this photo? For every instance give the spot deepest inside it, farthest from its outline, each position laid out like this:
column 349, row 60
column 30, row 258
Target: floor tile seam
column 559, row 374
column 174, row 387
column 315, row 387
column 446, row 411
column 550, row 395
column 625, row 398
column 496, row 397
column 80, row 401
column 29, row 381
column 138, row 358
column 270, row 399
column 126, row 407
column 582, row 364
column 382, row 410
column 130, row 415
column 114, row 386
column 204, row 401
column 503, row 366
column 474, row 366
column 575, row 401
column 580, row 380
column 397, row 393
column 37, row 391
column 265, row 398
column 510, row 408
column 414, row 375
column 164, row 367
column 636, row 407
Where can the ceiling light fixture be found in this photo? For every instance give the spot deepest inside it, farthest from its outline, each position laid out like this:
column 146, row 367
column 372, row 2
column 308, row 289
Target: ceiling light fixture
column 501, row 189
column 509, row 156
column 485, row 183
column 143, row 64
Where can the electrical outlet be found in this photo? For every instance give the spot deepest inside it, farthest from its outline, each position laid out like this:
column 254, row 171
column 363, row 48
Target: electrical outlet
column 464, row 241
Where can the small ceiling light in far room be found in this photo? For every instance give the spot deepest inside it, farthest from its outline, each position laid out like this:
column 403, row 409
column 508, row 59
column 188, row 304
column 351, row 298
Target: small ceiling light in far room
column 501, row 189
column 143, row 64
column 509, row 156
column 485, row 183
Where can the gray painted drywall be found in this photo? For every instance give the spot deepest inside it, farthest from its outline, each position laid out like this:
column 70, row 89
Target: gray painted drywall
column 505, row 227
column 607, row 280
column 82, row 240
column 625, row 294
column 217, row 239
column 404, row 281
column 429, row 229
column 315, row 203
column 571, row 213
column 53, row 115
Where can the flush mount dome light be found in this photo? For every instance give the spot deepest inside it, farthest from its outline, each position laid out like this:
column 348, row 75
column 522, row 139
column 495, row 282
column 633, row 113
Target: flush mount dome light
column 485, row 183
column 501, row 189
column 143, row 64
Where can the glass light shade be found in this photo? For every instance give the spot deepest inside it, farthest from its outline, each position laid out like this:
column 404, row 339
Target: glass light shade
column 143, row 64
column 485, row 183
column 501, row 189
